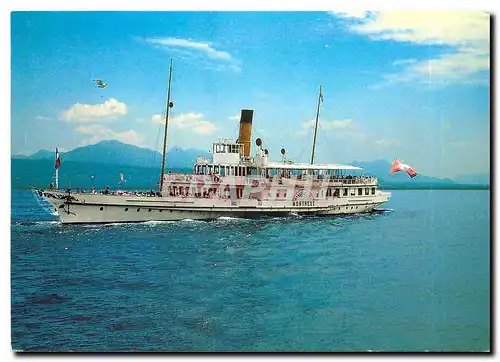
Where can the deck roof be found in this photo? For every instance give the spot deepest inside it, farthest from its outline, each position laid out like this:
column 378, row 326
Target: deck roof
column 307, row 166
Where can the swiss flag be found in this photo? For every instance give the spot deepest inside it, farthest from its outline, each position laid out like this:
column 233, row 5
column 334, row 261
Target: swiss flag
column 400, row 166
column 58, row 159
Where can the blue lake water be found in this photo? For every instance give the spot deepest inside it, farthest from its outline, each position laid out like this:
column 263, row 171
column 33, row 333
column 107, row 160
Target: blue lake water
column 413, row 279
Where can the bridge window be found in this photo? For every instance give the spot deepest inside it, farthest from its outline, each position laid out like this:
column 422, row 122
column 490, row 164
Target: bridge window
column 367, row 191
column 345, row 192
column 373, row 190
column 360, row 192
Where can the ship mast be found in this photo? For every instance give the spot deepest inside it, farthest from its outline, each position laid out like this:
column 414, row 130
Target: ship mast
column 169, row 105
column 320, row 100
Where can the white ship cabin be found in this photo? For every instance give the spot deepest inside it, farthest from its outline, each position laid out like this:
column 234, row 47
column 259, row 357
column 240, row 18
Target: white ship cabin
column 228, row 161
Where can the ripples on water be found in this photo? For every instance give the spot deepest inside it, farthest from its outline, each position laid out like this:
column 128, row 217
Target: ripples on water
column 404, row 280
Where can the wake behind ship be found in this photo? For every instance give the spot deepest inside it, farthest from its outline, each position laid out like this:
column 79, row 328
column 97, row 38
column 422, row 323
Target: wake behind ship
column 232, row 183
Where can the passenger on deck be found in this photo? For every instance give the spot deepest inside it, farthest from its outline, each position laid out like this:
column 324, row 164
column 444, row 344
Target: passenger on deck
column 51, row 186
column 106, row 191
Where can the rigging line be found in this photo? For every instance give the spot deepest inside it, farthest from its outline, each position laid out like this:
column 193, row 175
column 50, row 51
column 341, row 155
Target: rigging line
column 157, row 141
column 156, row 146
column 327, row 142
column 305, row 144
column 258, row 134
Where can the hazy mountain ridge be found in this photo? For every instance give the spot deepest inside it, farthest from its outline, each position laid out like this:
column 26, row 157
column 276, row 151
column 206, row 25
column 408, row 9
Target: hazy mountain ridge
column 381, row 168
column 118, row 153
column 100, row 164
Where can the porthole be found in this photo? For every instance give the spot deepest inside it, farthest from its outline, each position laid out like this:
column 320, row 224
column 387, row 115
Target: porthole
column 161, row 210
column 101, row 208
column 126, row 209
column 138, row 210
column 149, row 210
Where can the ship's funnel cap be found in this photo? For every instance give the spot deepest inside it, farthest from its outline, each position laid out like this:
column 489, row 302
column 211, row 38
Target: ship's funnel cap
column 246, row 116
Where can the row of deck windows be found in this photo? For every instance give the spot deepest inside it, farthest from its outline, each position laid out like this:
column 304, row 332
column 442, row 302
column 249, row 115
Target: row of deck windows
column 221, row 170
column 303, row 203
column 223, row 148
column 336, row 192
column 208, row 192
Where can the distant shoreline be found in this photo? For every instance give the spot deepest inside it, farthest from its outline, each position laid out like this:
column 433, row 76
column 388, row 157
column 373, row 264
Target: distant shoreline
column 437, row 187
column 388, row 188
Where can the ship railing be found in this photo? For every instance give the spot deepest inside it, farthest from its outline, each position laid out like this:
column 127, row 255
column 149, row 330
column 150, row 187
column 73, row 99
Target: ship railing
column 332, row 180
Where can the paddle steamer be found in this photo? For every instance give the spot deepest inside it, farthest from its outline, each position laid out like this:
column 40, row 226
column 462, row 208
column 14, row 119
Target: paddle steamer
column 233, row 183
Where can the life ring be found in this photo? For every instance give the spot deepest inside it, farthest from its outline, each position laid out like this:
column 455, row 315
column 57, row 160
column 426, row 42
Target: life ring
column 255, row 183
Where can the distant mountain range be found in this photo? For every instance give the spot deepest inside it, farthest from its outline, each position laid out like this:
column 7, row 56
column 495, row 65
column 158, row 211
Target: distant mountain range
column 118, row 153
column 99, row 165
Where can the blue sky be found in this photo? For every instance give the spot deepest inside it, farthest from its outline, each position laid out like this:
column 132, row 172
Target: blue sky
column 413, row 86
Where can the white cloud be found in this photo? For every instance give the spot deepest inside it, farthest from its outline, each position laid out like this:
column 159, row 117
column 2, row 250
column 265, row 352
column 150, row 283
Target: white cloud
column 387, row 143
column 461, row 143
column 326, row 125
column 404, row 61
column 214, row 59
column 43, row 118
column 100, row 133
column 204, row 127
column 198, row 46
column 343, row 128
column 236, row 117
column 190, row 121
column 465, row 37
column 110, row 109
column 350, row 14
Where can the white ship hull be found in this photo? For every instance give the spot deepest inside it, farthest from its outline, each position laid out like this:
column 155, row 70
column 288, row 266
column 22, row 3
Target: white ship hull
column 87, row 208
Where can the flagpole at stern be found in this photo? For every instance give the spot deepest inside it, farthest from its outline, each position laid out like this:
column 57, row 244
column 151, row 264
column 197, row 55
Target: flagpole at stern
column 57, row 169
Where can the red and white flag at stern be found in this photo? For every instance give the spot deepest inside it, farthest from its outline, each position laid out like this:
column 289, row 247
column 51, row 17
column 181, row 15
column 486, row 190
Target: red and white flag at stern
column 400, row 166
